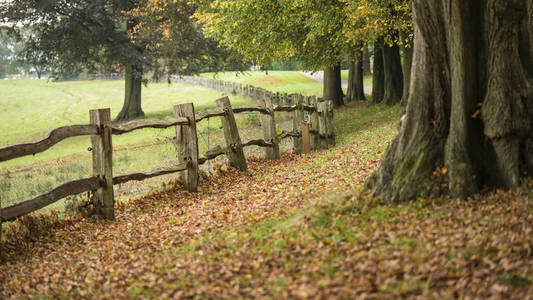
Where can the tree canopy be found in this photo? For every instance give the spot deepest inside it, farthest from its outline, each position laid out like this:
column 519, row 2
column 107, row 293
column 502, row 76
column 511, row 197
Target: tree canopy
column 137, row 36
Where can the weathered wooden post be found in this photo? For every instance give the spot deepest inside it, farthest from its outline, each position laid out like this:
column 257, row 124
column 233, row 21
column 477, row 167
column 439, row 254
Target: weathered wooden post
column 268, row 124
column 308, row 118
column 322, row 108
column 102, row 152
column 306, row 142
column 330, row 127
column 231, row 135
column 297, row 119
column 315, row 136
column 187, row 139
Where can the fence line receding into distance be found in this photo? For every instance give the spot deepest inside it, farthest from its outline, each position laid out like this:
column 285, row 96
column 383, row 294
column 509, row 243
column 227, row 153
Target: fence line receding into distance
column 312, row 128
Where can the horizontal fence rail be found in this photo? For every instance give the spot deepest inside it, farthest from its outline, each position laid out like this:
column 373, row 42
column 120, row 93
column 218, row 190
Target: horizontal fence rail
column 53, row 137
column 151, row 174
column 312, row 128
column 70, row 188
column 142, row 124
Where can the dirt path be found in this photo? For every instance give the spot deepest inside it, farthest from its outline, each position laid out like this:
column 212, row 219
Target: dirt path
column 319, row 77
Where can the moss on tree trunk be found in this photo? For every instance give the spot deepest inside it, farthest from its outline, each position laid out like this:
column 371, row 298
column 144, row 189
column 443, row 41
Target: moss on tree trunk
column 469, row 113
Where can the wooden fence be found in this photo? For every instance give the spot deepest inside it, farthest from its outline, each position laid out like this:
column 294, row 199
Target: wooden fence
column 316, row 132
column 110, row 76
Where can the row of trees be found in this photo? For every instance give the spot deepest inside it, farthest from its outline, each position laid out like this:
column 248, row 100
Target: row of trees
column 319, row 34
column 469, row 116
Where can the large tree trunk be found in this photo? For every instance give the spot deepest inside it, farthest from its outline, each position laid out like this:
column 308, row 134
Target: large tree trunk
column 378, row 75
column 356, row 89
column 132, row 97
column 333, row 85
column 469, row 114
column 407, row 50
column 393, row 74
column 366, row 62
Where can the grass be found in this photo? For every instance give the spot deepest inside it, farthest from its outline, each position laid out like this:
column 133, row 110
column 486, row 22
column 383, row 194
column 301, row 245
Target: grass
column 367, row 80
column 30, row 108
column 276, row 81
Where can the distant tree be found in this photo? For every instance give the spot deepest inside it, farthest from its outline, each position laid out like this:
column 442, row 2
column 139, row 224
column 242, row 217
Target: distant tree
column 5, row 54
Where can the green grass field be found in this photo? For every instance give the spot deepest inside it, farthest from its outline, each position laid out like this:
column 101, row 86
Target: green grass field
column 30, row 108
column 367, row 80
column 276, row 81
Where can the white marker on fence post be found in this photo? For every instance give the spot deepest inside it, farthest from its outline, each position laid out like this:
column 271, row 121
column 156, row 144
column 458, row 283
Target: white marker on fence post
column 102, row 152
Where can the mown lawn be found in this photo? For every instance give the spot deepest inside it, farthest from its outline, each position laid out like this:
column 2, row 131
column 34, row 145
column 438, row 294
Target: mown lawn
column 276, row 81
column 30, row 108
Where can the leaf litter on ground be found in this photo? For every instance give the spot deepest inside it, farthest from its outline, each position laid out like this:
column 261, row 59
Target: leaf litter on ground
column 296, row 228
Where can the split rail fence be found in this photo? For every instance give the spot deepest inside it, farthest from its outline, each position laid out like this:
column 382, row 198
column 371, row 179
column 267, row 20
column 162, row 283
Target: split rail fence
column 315, row 132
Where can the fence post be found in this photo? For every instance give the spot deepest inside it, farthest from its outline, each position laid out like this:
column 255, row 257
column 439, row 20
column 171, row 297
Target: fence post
column 187, row 139
column 322, row 108
column 315, row 137
column 231, row 135
column 268, row 123
column 330, row 127
column 102, row 152
column 306, row 145
column 297, row 119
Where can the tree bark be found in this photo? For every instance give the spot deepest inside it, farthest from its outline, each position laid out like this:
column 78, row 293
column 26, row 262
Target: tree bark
column 132, row 97
column 356, row 87
column 366, row 62
column 378, row 76
column 407, row 50
column 333, row 85
column 393, row 74
column 469, row 113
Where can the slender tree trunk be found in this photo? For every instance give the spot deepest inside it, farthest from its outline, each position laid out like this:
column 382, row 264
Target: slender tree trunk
column 333, row 85
column 39, row 72
column 407, row 50
column 132, row 97
column 350, row 93
column 355, row 78
column 366, row 62
column 393, row 74
column 469, row 113
column 378, row 76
